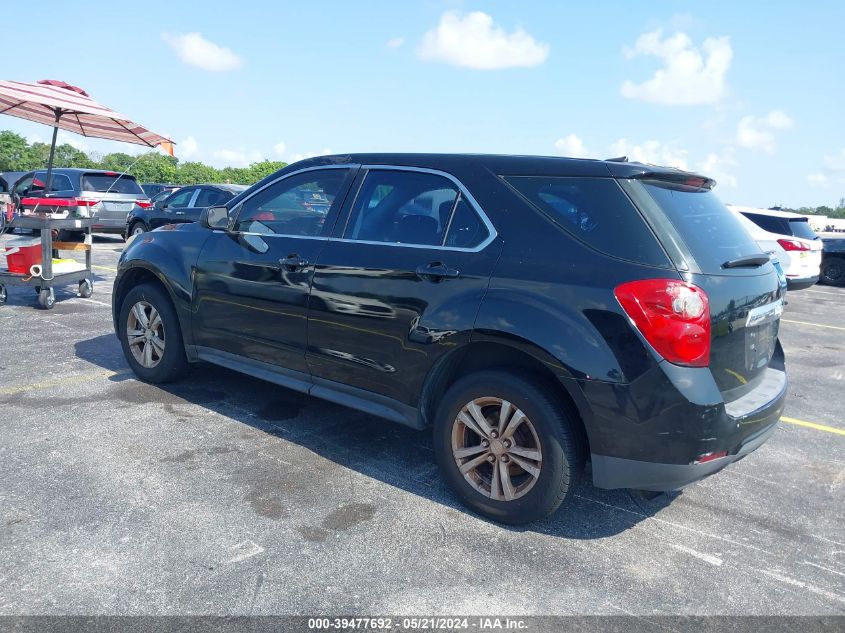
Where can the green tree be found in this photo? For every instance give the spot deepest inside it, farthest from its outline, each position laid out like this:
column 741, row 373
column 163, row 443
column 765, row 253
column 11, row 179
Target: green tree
column 15, row 152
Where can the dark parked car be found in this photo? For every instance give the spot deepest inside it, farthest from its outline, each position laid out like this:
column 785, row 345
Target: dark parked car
column 183, row 205
column 833, row 260
column 153, row 189
column 105, row 196
column 536, row 313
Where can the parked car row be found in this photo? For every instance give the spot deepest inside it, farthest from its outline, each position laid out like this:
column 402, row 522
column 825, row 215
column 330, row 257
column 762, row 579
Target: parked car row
column 533, row 313
column 179, row 206
column 789, row 238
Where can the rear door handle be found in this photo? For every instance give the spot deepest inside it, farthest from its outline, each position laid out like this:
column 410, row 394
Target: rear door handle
column 293, row 263
column 437, row 270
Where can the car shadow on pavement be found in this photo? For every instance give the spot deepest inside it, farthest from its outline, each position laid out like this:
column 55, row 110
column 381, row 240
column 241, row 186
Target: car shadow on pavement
column 393, row 454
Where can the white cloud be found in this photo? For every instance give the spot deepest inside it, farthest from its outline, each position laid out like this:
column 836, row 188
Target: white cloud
column 832, row 173
column 818, row 180
column 195, row 50
column 279, row 149
column 720, row 166
column 187, row 148
column 74, row 140
column 395, row 42
column 237, row 157
column 473, row 41
column 689, row 75
column 653, row 152
column 303, row 155
column 571, row 145
column 758, row 132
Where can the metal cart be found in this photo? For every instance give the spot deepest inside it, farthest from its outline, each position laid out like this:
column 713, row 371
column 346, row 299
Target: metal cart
column 47, row 281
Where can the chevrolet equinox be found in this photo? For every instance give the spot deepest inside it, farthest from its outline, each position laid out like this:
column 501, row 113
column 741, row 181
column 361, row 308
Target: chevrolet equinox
column 535, row 313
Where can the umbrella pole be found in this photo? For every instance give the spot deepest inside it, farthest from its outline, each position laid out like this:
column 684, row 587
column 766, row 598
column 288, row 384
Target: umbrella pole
column 49, row 182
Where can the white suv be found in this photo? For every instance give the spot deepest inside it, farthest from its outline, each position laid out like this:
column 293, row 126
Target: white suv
column 790, row 238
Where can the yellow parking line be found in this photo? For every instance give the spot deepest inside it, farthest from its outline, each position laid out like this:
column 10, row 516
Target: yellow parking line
column 114, row 270
column 832, row 327
column 60, row 382
column 813, row 425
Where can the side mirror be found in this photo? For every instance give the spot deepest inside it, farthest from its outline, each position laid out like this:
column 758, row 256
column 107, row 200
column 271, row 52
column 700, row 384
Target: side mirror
column 159, row 204
column 216, row 218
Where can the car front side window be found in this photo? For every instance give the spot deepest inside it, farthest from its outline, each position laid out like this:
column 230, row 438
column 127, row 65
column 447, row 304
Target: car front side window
column 297, row 206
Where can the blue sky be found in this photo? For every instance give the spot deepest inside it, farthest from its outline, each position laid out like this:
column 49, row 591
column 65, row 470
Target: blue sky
column 751, row 93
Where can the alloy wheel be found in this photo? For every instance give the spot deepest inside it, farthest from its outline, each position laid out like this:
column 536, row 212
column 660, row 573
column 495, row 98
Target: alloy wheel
column 145, row 334
column 496, row 448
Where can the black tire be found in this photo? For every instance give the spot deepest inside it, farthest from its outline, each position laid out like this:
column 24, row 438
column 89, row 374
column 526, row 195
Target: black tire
column 137, row 226
column 833, row 271
column 86, row 288
column 173, row 363
column 47, row 298
column 562, row 456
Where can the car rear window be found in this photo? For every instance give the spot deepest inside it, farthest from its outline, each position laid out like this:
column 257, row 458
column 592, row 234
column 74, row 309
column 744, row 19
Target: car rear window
column 111, row 183
column 708, row 228
column 801, row 228
column 595, row 211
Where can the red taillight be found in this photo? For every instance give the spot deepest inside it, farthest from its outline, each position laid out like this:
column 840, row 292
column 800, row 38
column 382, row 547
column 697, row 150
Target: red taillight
column 144, row 204
column 673, row 316
column 84, row 202
column 793, row 245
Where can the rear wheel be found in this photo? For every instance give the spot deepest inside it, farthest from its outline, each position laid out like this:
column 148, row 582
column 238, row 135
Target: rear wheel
column 833, row 271
column 137, row 228
column 150, row 335
column 506, row 447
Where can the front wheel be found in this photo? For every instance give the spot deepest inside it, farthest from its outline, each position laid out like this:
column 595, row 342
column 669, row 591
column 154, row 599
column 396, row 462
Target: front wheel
column 150, row 335
column 506, row 447
column 833, row 271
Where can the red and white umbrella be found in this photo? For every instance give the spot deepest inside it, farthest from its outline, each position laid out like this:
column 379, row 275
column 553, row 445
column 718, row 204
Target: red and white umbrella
column 61, row 105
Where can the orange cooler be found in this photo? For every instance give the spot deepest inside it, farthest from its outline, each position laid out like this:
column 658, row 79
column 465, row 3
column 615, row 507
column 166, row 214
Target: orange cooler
column 22, row 253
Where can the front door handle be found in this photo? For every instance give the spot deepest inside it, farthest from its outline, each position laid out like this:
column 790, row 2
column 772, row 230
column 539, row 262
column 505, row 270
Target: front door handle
column 293, row 263
column 437, row 270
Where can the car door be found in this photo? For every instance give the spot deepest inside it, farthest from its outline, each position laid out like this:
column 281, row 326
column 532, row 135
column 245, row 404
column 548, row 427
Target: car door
column 252, row 281
column 400, row 283
column 174, row 207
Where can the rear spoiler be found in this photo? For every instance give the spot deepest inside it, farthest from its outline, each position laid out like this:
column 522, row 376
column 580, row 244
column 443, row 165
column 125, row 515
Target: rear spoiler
column 687, row 180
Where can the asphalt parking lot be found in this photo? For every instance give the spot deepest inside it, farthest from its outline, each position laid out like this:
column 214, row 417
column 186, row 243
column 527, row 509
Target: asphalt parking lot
column 226, row 495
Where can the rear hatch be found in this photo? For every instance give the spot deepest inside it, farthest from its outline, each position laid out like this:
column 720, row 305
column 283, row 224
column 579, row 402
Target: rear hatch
column 713, row 251
column 116, row 195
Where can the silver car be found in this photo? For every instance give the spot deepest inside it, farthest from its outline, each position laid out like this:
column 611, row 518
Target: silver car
column 105, row 196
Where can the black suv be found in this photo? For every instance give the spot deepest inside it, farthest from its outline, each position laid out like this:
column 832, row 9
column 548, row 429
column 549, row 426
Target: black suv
column 536, row 312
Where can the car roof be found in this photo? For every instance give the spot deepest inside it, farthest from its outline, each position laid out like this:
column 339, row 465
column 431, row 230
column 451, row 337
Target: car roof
column 515, row 165
column 770, row 212
column 74, row 171
column 231, row 188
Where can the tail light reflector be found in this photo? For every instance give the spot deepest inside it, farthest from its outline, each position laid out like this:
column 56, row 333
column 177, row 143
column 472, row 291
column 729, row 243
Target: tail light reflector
column 672, row 315
column 709, row 457
column 793, row 245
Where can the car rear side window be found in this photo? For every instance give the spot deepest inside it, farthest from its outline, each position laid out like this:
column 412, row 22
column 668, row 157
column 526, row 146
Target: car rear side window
column 399, row 206
column 210, row 197
column 60, row 182
column 769, row 223
column 111, row 183
column 710, row 231
column 597, row 212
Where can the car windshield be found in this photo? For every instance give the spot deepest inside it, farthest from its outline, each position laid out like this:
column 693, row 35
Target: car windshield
column 112, row 183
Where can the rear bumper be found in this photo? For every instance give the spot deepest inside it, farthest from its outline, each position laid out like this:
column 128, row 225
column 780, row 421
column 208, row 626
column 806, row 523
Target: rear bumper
column 799, row 283
column 616, row 472
column 651, row 436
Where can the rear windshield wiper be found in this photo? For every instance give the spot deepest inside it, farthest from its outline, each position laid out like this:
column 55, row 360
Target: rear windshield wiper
column 746, row 261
